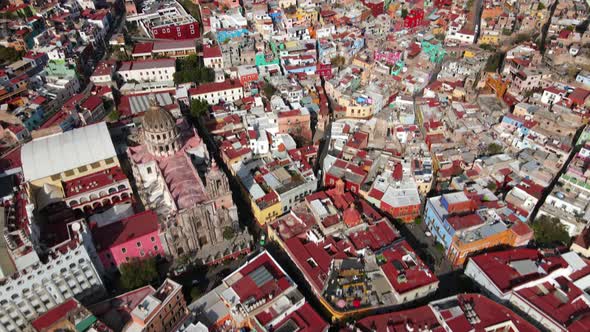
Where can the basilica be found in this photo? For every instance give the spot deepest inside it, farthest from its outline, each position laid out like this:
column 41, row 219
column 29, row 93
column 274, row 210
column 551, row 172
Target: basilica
column 177, row 178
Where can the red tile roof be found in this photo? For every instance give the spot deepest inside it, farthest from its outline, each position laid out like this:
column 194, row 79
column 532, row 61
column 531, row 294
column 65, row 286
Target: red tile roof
column 92, row 103
column 246, row 287
column 561, row 302
column 211, row 51
column 453, row 312
column 531, row 188
column 496, row 266
column 462, row 222
column 415, row 271
column 94, row 181
column 322, row 253
column 305, row 318
column 125, row 230
column 10, row 160
column 54, row 315
column 143, row 48
column 579, row 95
column 583, row 240
column 214, row 87
column 375, row 236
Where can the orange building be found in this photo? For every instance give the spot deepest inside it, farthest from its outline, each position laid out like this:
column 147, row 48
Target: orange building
column 495, row 82
column 146, row 309
column 493, row 12
column 471, row 242
column 296, row 123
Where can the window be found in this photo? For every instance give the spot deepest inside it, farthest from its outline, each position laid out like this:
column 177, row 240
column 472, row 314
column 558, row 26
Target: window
column 312, row 263
column 156, row 248
column 110, row 161
column 138, row 244
column 153, row 239
column 95, row 165
column 69, row 173
column 123, row 250
column 82, row 169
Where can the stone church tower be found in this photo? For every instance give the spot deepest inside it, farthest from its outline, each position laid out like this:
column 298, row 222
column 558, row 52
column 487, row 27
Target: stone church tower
column 218, row 187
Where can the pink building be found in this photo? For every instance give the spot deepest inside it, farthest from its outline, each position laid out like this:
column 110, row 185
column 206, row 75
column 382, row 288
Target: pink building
column 295, row 122
column 134, row 237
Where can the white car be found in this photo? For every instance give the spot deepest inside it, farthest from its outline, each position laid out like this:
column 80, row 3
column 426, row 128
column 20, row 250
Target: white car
column 428, row 234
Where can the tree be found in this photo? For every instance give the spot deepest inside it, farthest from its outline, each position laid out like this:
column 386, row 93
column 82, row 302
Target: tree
column 192, row 8
column 268, row 90
column 418, row 220
column 8, row 15
column 487, row 47
column 404, row 13
column 493, row 62
column 198, row 108
column 572, row 72
column 195, row 293
column 138, row 273
column 9, row 54
column 492, row 186
column 494, row 148
column 190, row 69
column 522, row 37
column 114, row 115
column 550, row 232
column 338, row 61
column 440, row 36
column 540, row 6
column 228, row 233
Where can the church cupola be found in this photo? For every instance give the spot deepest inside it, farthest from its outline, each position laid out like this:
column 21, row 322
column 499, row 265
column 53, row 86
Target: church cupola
column 161, row 135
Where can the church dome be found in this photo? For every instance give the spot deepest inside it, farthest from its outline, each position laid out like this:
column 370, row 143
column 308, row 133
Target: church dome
column 158, row 119
column 161, row 135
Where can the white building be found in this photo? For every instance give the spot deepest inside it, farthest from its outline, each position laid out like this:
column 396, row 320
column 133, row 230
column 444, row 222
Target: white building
column 552, row 95
column 458, row 33
column 212, row 57
column 103, row 73
column 61, row 88
column 228, row 91
column 152, row 70
column 69, row 272
column 548, row 289
column 86, row 4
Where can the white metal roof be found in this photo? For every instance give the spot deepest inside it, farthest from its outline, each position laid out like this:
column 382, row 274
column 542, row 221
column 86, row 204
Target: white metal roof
column 51, row 155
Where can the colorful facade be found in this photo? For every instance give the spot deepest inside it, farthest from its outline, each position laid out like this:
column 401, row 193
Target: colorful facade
column 133, row 238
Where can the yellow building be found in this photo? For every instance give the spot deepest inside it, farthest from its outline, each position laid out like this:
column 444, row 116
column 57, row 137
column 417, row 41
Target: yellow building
column 489, row 39
column 349, row 108
column 67, row 156
column 468, row 54
column 266, row 210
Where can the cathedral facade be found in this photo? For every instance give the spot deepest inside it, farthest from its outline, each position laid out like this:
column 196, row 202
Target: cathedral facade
column 176, row 178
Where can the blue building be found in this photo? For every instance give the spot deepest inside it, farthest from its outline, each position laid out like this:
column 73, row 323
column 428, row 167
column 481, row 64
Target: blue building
column 31, row 116
column 223, row 35
column 442, row 215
